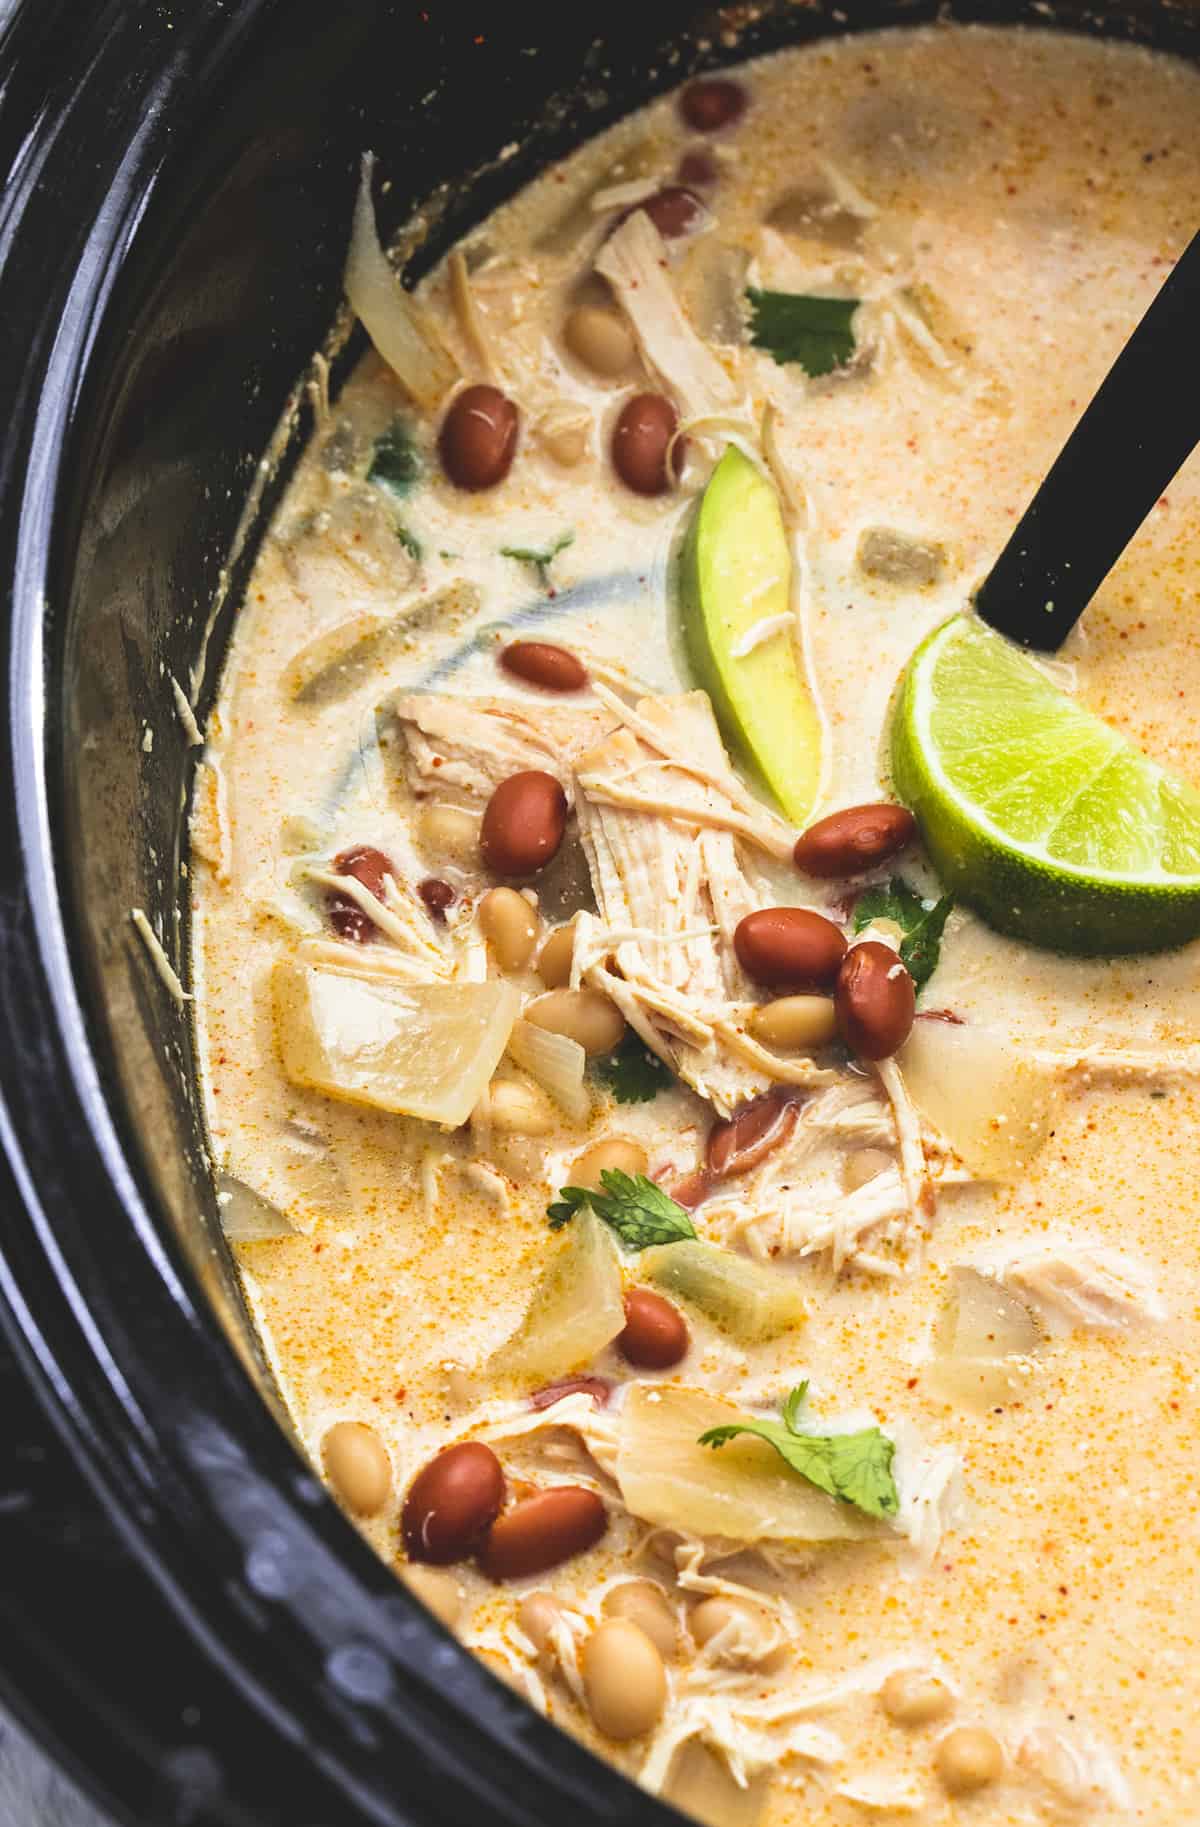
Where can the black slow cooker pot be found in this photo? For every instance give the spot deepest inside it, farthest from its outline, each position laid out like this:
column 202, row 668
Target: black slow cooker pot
column 189, row 1624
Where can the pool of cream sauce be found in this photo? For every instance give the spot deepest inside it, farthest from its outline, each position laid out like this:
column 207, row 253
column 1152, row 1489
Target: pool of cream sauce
column 1041, row 186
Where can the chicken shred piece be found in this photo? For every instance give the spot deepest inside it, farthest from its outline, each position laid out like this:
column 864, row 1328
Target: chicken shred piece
column 670, row 869
column 1081, row 1285
column 472, row 744
column 634, row 261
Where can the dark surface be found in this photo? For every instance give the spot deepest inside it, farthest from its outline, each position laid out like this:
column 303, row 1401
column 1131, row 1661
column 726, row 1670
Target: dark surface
column 1140, row 428
column 188, row 1621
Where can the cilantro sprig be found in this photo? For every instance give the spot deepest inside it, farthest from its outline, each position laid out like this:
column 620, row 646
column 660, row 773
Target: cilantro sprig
column 922, row 922
column 395, row 464
column 541, row 560
column 639, row 1212
column 815, row 333
column 857, row 1468
column 632, row 1073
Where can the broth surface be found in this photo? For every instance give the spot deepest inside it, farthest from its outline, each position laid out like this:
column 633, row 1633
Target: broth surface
column 1008, row 203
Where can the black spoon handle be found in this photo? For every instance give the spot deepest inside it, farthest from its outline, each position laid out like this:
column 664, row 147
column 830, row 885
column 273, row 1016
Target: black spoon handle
column 1138, row 430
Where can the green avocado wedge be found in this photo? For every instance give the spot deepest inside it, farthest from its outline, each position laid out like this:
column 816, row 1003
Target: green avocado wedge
column 735, row 574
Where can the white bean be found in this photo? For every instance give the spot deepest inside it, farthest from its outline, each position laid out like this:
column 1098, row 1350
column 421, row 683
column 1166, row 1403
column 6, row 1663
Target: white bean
column 624, row 1679
column 357, row 1466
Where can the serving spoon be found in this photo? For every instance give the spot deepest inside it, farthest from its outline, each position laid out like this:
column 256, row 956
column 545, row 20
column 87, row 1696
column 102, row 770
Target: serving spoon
column 1140, row 428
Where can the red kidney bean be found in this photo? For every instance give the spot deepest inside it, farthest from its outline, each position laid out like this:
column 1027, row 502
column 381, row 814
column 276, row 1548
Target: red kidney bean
column 757, row 1130
column 789, row 948
column 874, row 999
column 859, row 838
column 713, row 102
column 451, row 1503
column 692, row 1190
column 642, row 433
column 598, row 1388
column 543, row 1531
column 478, row 439
column 541, row 663
column 523, row 824
column 368, row 866
column 655, row 1335
column 698, row 169
column 437, row 896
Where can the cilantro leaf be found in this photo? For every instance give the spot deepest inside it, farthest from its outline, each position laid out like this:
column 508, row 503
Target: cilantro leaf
column 856, row 1468
column 541, row 561
column 410, row 542
column 395, row 464
column 639, row 1212
column 633, row 1074
column 816, row 333
column 923, row 923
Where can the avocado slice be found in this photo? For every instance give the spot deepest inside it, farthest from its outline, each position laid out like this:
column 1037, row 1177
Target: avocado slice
column 735, row 572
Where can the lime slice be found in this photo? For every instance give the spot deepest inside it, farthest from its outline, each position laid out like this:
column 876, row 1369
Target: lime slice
column 1043, row 818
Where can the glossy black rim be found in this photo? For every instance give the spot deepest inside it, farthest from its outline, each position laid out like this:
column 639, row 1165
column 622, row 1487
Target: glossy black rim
column 247, row 1659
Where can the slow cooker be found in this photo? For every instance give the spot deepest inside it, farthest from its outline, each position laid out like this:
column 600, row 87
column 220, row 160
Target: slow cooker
column 190, row 1626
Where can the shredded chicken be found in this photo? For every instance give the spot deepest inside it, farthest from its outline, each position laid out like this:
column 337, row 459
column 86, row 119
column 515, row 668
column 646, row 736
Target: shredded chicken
column 596, row 1429
column 634, row 261
column 665, row 862
column 472, row 744
column 1080, row 1285
column 399, row 915
column 750, row 1735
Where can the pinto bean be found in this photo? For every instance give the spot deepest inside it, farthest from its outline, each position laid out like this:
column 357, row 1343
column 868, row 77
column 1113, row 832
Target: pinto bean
column 759, row 1128
column 792, row 1024
column 641, row 438
column 875, row 1000
column 712, row 102
column 915, row 1697
column 967, row 1759
column 451, row 832
column 509, row 925
column 655, row 1335
column 543, row 664
column 623, row 1679
column 614, row 1152
column 368, row 866
column 478, row 439
column 645, row 1604
column 598, row 1388
column 675, row 210
column 357, row 1466
column 523, row 824
column 451, row 1503
column 697, row 169
column 858, row 838
column 437, row 896
column 556, row 957
column 789, row 948
column 692, row 1190
column 601, row 339
column 542, row 1531
column 588, row 1016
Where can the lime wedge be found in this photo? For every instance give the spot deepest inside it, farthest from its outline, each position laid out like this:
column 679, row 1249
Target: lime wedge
column 1044, row 819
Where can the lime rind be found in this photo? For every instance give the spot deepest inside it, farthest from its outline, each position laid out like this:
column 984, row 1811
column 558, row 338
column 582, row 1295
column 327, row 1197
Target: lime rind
column 1045, row 819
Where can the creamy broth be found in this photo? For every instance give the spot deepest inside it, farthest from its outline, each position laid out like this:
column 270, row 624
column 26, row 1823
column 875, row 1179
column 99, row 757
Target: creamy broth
column 1007, row 203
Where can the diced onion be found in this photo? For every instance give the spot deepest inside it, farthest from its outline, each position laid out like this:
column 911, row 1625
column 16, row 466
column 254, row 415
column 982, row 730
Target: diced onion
column 985, row 1341
column 993, row 1106
column 742, row 1493
column 575, row 1310
column 397, row 327
column 556, row 1062
column 422, row 1049
column 751, row 1300
column 246, row 1217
